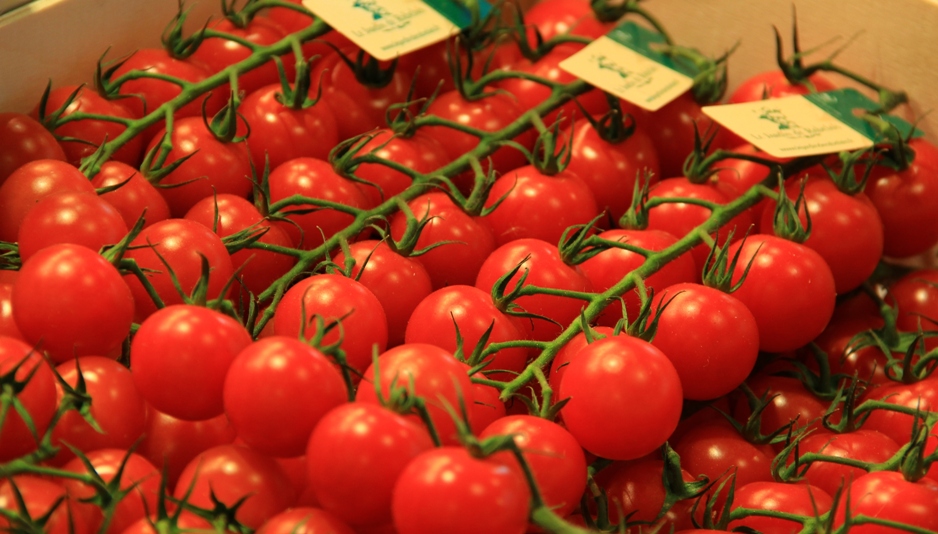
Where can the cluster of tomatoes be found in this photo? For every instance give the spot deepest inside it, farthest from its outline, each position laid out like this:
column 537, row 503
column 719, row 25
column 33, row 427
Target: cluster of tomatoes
column 459, row 292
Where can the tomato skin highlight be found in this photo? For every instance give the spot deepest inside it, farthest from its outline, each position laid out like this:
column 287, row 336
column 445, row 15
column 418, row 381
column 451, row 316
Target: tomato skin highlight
column 24, row 139
column 625, row 397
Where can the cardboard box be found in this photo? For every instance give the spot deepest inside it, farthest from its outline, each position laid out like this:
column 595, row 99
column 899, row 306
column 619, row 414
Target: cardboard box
column 891, row 43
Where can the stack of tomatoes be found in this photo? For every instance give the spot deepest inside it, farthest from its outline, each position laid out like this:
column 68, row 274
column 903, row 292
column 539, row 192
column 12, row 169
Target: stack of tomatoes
column 279, row 312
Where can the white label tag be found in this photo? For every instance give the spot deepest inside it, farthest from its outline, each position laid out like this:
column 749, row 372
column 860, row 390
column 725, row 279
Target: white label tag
column 385, row 29
column 788, row 127
column 627, row 74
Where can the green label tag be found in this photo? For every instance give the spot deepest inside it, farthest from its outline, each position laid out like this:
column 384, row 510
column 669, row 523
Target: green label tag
column 844, row 104
column 625, row 63
column 387, row 29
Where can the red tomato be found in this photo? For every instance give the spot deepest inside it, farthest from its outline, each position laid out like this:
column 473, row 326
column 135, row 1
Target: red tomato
column 922, row 395
column 635, row 490
column 292, row 21
column 538, row 206
column 679, row 218
column 710, row 336
column 232, row 473
column 609, row 267
column 136, row 198
column 558, row 17
column 433, row 373
column 182, row 245
column 845, row 230
column 470, row 239
column 259, row 268
column 280, row 133
column 799, row 499
column 545, row 269
column 217, row 53
column 313, row 178
column 37, row 397
column 907, row 201
column 203, row 343
column 138, row 477
column 88, row 134
column 435, row 319
column 172, row 443
column 116, row 407
column 626, row 380
column 611, row 169
column 569, row 351
column 24, row 139
column 399, row 283
column 887, row 495
column 276, row 391
column 61, row 279
column 41, row 497
column 448, row 490
column 8, row 326
column 773, row 84
column 916, row 298
column 361, row 445
column 186, row 520
column 420, row 152
column 214, row 166
column 672, row 131
column 788, row 401
column 555, row 458
column 305, row 520
column 29, row 184
column 70, row 217
column 486, row 408
column 862, row 445
column 789, row 289
column 334, row 298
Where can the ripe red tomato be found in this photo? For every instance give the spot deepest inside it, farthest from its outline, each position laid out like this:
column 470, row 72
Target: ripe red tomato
column 433, row 373
column 448, row 490
column 569, row 351
column 232, row 473
column 61, row 279
column 845, row 230
column 217, row 53
column 88, row 134
column 907, row 201
column 538, row 206
column 37, row 397
column 334, row 298
column 203, row 343
column 399, row 282
column 887, row 495
column 305, row 520
column 136, row 198
column 276, row 391
column 626, row 380
column 863, row 445
column 798, row 499
column 137, row 475
column 24, row 139
column 280, row 133
column 172, row 443
column 774, row 84
column 214, row 166
column 610, row 266
column 8, row 326
column 41, row 497
column 573, row 17
column 555, row 458
column 70, row 217
column 313, row 178
column 361, row 445
column 182, row 245
column 710, row 336
column 31, row 182
column 789, row 289
column 922, row 395
column 435, row 319
column 635, row 490
column 117, row 408
column 545, row 268
column 470, row 240
column 788, row 401
column 672, row 131
column 419, row 152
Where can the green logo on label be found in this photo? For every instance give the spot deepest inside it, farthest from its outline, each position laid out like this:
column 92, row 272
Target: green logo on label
column 778, row 117
column 604, row 63
column 371, row 6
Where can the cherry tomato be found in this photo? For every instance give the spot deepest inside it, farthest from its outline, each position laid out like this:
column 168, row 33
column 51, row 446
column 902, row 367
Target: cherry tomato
column 774, row 84
column 203, row 344
column 419, row 152
column 887, row 495
column 798, row 499
column 37, row 397
column 41, row 497
column 305, row 520
column 70, row 217
column 447, row 490
column 72, row 302
column 276, row 391
column 635, row 490
column 862, row 445
column 216, row 53
column 31, row 182
column 626, row 380
column 24, row 139
column 136, row 198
